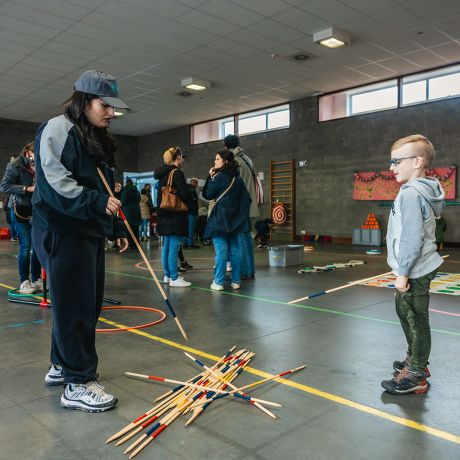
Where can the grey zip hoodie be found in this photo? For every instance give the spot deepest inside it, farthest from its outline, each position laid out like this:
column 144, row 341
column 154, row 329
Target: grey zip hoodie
column 411, row 227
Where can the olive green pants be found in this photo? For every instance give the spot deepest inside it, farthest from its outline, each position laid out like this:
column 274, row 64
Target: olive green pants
column 412, row 309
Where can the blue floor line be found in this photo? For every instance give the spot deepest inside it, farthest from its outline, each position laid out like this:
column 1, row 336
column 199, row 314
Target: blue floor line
column 8, row 326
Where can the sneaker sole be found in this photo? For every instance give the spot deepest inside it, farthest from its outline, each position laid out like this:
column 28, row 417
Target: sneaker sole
column 78, row 405
column 416, row 390
column 54, row 382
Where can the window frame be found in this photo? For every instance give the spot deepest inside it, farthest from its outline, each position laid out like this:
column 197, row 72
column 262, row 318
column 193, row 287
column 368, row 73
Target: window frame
column 399, row 86
column 236, row 118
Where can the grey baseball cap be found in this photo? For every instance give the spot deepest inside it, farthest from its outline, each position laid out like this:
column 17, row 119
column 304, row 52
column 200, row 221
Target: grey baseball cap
column 100, row 84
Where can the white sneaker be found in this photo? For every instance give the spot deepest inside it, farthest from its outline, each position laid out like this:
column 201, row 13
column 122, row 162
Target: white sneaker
column 235, row 285
column 166, row 280
column 229, row 266
column 88, row 397
column 26, row 288
column 54, row 375
column 216, row 287
column 180, row 282
column 37, row 285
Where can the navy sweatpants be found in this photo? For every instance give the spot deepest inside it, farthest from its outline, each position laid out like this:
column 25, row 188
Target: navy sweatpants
column 75, row 273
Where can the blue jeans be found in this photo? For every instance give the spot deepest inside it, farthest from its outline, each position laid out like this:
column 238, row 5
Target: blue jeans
column 171, row 244
column 13, row 232
column 27, row 262
column 192, row 218
column 145, row 228
column 247, row 253
column 227, row 247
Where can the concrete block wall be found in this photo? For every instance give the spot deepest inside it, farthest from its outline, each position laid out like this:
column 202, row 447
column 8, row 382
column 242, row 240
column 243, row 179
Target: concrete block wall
column 334, row 150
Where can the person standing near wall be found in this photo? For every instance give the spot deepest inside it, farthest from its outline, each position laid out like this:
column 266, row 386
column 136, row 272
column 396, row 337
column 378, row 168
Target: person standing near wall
column 172, row 225
column 246, row 170
column 73, row 214
column 130, row 200
column 192, row 214
column 229, row 216
column 19, row 182
column 145, row 216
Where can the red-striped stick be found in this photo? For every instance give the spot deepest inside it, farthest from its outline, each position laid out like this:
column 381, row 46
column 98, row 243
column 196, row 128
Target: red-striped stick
column 259, row 382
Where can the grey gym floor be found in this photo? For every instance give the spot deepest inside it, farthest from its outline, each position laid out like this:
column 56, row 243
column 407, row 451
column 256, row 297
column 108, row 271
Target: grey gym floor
column 348, row 339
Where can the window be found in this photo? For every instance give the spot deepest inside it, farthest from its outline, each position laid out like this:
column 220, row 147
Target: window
column 247, row 123
column 212, row 130
column 375, row 97
column 413, row 89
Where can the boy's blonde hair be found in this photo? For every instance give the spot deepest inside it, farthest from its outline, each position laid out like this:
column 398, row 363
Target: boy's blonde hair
column 171, row 154
column 422, row 147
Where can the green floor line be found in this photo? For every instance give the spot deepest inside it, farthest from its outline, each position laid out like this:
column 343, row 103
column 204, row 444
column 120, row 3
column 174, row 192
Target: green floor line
column 279, row 302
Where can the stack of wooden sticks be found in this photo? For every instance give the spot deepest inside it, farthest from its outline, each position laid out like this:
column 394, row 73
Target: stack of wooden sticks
column 193, row 397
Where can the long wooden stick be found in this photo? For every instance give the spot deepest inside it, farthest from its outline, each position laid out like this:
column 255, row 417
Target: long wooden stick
column 345, row 286
column 154, row 276
column 201, row 387
column 268, row 379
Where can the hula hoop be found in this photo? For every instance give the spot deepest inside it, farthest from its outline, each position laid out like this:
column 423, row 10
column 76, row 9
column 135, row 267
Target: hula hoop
column 142, row 326
column 16, row 293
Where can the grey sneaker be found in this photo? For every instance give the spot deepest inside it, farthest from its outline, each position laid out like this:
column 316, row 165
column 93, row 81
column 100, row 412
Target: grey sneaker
column 26, row 288
column 54, row 375
column 37, row 285
column 406, row 382
column 88, row 397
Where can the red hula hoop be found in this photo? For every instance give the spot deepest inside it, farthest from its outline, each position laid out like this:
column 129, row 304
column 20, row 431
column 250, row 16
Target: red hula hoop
column 129, row 307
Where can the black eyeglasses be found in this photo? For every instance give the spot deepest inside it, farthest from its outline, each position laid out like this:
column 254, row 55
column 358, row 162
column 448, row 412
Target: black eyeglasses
column 396, row 161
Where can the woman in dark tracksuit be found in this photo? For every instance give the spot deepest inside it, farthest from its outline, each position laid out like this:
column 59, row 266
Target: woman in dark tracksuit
column 73, row 214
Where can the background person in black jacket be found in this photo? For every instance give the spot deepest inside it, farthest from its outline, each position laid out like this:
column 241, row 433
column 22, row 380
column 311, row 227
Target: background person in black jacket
column 130, row 200
column 73, row 214
column 19, row 182
column 228, row 218
column 192, row 214
column 172, row 225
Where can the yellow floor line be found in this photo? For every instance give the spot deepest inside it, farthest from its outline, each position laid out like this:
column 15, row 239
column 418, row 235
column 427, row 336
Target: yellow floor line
column 299, row 386
column 322, row 394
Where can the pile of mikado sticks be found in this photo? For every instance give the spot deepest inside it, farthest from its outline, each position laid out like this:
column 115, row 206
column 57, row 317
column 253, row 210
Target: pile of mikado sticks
column 193, row 397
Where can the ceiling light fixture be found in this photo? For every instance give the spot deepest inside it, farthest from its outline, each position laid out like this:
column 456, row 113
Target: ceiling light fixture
column 332, row 37
column 195, row 84
column 118, row 114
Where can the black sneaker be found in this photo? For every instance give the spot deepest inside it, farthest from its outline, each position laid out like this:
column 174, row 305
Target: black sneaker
column 407, row 381
column 88, row 397
column 181, row 270
column 186, row 265
column 54, row 376
column 398, row 366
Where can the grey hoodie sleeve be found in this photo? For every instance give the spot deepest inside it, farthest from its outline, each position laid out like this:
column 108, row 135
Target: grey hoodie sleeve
column 412, row 230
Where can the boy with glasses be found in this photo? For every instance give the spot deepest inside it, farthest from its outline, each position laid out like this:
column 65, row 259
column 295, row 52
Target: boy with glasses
column 412, row 256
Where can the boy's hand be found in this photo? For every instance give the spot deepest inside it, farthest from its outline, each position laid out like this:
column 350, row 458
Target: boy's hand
column 402, row 284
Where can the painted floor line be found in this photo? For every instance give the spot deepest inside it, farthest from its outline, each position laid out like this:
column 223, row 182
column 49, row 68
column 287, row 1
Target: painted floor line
column 307, row 389
column 8, row 326
column 279, row 302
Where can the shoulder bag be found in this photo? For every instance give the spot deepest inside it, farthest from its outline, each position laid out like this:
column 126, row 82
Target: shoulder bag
column 170, row 201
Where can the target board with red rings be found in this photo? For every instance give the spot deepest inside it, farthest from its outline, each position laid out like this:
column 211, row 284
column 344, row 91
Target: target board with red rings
column 279, row 215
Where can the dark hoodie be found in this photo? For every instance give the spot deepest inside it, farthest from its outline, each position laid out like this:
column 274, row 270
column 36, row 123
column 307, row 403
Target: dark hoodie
column 171, row 222
column 411, row 228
